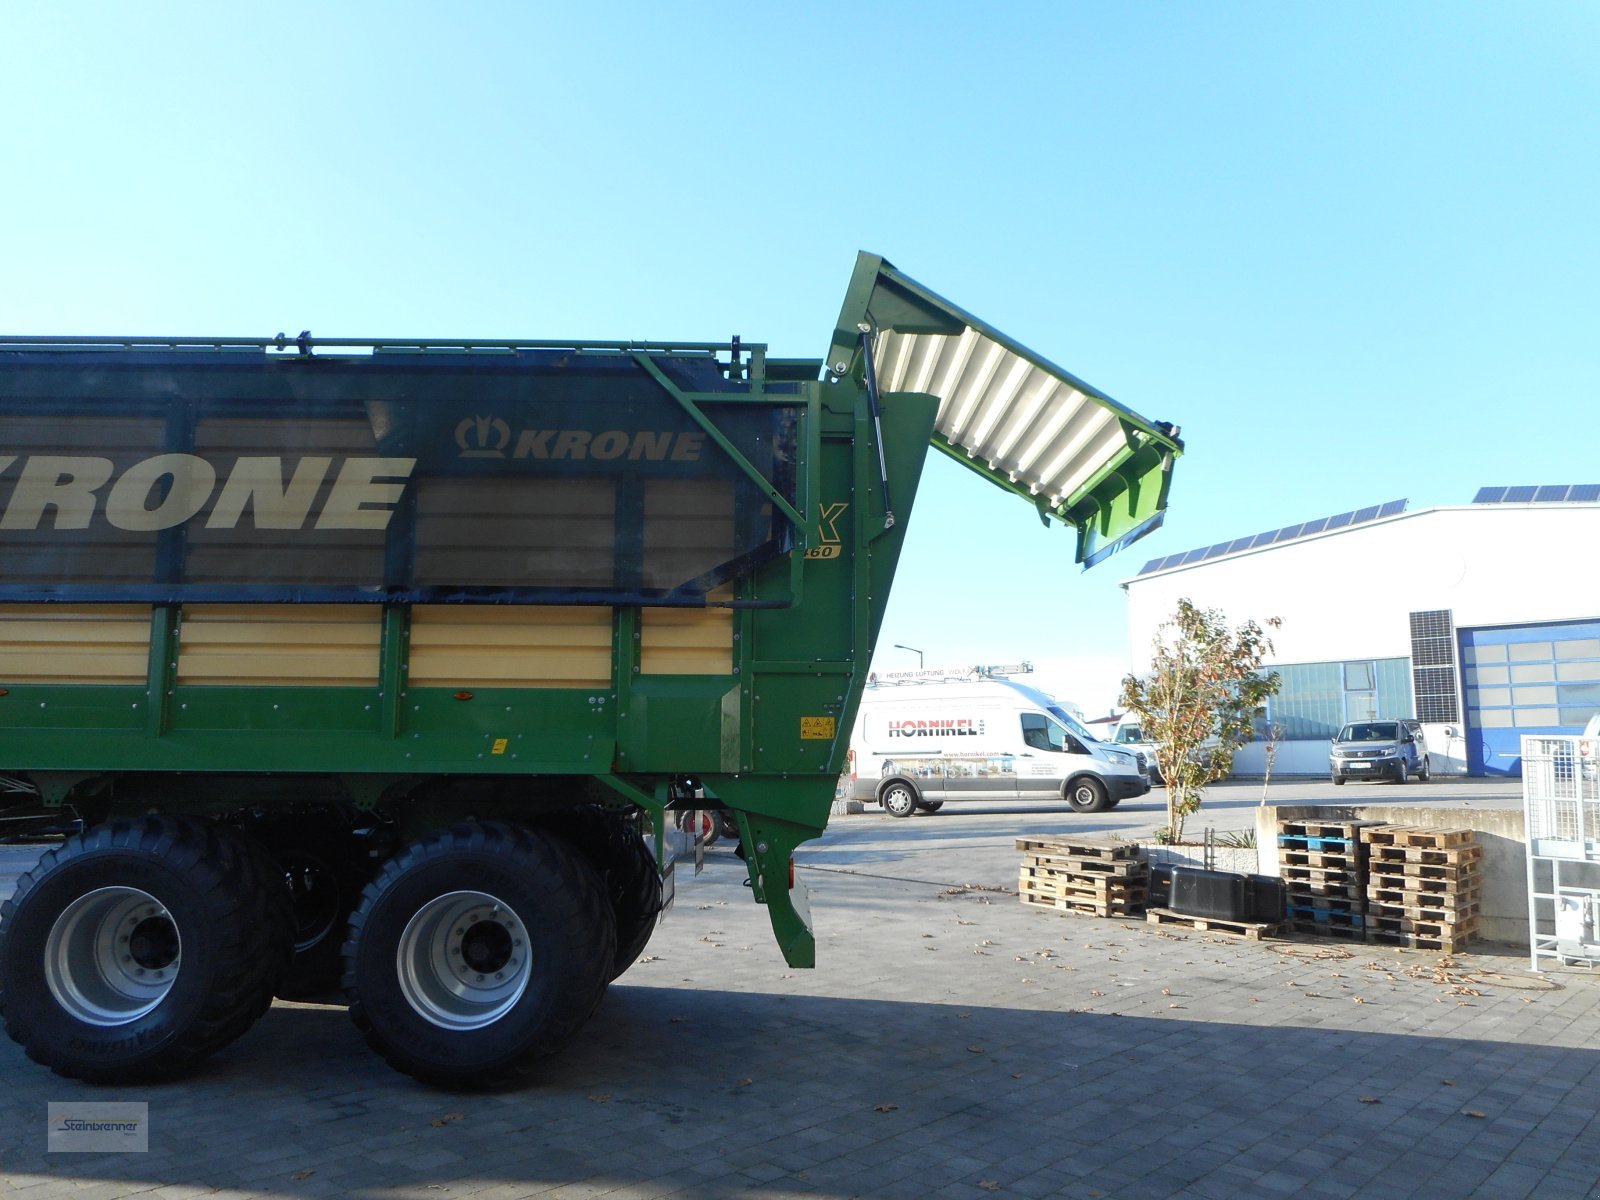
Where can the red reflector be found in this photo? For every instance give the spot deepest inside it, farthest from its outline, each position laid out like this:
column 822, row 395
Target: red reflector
column 463, row 695
column 791, row 874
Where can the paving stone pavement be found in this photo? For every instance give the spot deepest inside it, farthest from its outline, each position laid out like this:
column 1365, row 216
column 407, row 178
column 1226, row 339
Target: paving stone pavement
column 951, row 1043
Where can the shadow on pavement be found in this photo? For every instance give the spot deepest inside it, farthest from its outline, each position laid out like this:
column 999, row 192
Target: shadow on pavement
column 717, row 1093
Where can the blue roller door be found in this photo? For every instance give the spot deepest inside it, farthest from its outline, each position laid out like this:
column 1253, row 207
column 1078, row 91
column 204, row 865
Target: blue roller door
column 1526, row 679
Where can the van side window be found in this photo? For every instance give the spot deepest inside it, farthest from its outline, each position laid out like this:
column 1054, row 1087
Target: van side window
column 1039, row 733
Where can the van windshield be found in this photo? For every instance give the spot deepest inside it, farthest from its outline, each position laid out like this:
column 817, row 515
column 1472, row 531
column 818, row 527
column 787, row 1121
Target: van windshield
column 1067, row 719
column 1370, row 731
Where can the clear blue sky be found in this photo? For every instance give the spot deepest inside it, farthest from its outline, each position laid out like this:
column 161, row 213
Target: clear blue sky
column 1352, row 249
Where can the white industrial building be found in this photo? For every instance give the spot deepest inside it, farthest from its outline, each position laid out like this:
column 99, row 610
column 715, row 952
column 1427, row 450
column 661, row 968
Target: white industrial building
column 1481, row 620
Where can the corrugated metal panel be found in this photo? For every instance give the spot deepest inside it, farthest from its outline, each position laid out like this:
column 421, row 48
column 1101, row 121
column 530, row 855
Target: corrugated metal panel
column 686, row 641
column 511, row 646
column 330, row 645
column 74, row 643
column 1010, row 414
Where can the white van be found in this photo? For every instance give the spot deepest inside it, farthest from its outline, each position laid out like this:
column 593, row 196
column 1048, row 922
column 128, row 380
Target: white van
column 917, row 744
column 1129, row 736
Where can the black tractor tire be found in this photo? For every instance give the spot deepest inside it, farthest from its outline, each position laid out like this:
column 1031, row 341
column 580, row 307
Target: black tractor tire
column 323, row 867
column 1087, row 794
column 930, row 806
column 616, row 848
column 899, row 798
column 204, row 948
column 478, row 951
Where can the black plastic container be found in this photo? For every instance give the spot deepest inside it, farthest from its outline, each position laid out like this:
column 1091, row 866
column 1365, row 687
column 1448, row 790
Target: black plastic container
column 1265, row 898
column 1160, row 885
column 1197, row 892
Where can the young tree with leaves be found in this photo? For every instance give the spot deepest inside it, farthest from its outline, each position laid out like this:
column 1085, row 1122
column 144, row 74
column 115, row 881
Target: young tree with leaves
column 1197, row 704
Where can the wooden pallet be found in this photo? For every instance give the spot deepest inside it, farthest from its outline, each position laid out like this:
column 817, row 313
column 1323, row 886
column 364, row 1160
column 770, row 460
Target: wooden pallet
column 1324, row 829
column 1321, row 861
column 1413, row 941
column 1347, row 904
column 1079, row 904
column 1252, row 931
column 1447, row 881
column 1416, row 835
column 1350, row 889
column 1291, row 841
column 1078, row 847
column 1457, row 895
column 1320, row 918
column 1459, row 914
column 1454, row 856
column 1123, row 868
column 1081, row 889
column 1423, row 928
column 1415, row 876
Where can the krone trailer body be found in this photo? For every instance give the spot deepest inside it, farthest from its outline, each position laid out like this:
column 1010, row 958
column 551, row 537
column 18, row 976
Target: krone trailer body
column 374, row 662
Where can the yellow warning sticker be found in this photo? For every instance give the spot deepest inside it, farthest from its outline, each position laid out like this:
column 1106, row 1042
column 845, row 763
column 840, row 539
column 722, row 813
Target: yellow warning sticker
column 499, row 746
column 818, row 728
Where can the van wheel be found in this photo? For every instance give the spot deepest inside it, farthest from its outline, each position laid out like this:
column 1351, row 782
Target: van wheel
column 930, row 806
column 1338, row 779
column 1087, row 795
column 899, row 799
column 1427, row 770
column 1402, row 775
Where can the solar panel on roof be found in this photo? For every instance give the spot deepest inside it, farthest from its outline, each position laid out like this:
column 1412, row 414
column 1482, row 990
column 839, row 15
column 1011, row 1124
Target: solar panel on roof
column 1270, row 537
column 1548, row 493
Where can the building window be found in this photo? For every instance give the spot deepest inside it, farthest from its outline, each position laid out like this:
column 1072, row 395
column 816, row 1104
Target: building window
column 1315, row 699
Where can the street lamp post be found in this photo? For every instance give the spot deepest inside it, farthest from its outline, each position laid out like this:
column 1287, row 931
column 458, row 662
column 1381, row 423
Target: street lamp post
column 913, row 650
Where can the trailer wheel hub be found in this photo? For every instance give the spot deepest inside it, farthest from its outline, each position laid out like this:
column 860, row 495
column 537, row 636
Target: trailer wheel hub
column 463, row 961
column 112, row 956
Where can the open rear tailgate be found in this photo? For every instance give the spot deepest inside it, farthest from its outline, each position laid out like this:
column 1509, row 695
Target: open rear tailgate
column 1010, row 414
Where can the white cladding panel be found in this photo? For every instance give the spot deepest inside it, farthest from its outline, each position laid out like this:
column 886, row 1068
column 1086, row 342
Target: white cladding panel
column 1349, row 594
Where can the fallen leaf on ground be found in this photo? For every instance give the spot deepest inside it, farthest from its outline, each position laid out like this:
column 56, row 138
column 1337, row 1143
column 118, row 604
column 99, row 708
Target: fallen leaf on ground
column 975, row 1050
column 1370, row 1100
column 746, row 1082
column 306, row 1174
column 441, row 1122
column 1474, row 1113
column 988, row 1185
column 884, row 1107
column 603, row 1098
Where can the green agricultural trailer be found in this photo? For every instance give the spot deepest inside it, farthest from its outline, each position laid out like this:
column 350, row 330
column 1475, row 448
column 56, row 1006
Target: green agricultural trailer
column 379, row 663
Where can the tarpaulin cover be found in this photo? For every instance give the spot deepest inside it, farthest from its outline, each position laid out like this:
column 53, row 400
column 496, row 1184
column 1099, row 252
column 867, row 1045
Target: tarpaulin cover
column 534, row 475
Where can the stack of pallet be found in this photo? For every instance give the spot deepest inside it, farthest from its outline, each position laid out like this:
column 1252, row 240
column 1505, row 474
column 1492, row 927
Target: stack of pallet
column 1424, row 886
column 1087, row 875
column 1324, row 868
